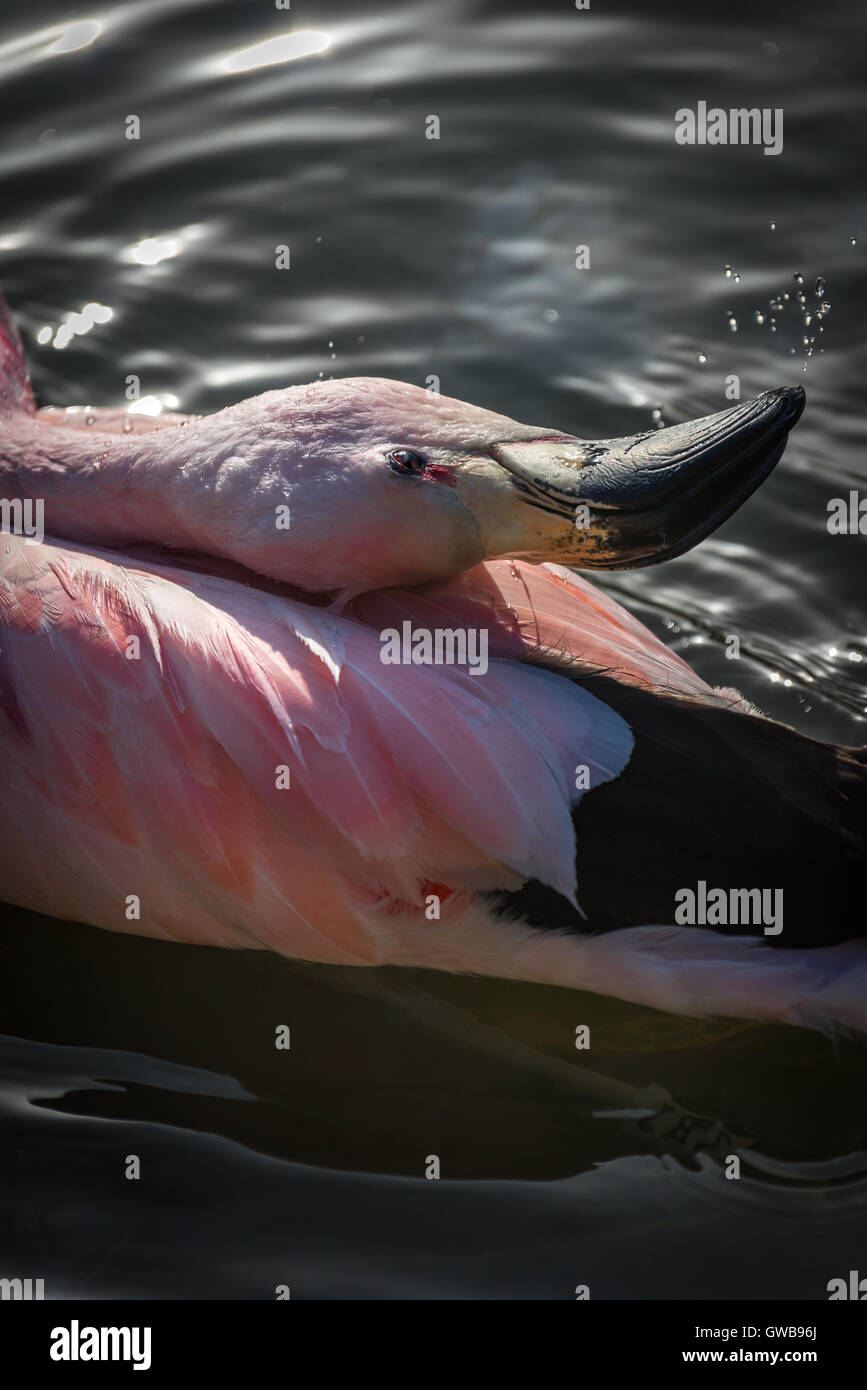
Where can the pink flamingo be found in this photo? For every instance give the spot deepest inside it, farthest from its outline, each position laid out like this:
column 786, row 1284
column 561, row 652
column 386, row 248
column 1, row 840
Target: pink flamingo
column 202, row 740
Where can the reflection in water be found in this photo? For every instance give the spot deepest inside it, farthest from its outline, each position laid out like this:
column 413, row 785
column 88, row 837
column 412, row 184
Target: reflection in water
column 243, row 1153
column 280, row 50
column 75, row 325
column 80, row 35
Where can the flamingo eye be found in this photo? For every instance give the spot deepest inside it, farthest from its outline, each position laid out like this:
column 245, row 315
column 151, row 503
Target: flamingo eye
column 406, row 461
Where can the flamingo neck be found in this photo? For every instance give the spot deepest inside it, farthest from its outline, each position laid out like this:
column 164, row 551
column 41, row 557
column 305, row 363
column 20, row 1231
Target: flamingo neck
column 95, row 487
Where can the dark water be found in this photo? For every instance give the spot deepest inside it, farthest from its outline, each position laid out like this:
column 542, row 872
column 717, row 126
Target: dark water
column 412, row 257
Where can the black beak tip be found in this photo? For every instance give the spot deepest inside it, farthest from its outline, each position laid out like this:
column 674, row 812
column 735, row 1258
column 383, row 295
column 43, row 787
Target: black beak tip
column 708, row 482
column 789, row 402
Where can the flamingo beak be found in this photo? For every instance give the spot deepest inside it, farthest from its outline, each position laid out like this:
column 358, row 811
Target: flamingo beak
column 624, row 503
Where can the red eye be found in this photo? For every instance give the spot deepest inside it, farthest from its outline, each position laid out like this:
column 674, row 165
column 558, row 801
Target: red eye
column 406, row 461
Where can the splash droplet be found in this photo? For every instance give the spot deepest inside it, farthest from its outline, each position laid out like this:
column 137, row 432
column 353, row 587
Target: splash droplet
column 702, row 357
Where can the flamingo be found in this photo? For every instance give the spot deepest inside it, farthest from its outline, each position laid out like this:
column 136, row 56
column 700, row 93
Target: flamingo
column 202, row 740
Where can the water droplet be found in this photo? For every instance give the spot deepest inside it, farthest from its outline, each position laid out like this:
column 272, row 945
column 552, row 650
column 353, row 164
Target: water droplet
column 657, row 419
column 330, row 343
column 729, row 272
column 798, row 277
column 819, row 286
column 702, row 357
column 759, row 316
column 808, row 319
column 773, row 226
column 90, row 419
column 550, row 316
column 733, row 325
column 786, row 297
column 852, row 241
column 127, row 425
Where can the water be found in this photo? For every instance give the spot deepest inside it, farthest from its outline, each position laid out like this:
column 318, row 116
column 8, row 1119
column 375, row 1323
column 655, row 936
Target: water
column 456, row 258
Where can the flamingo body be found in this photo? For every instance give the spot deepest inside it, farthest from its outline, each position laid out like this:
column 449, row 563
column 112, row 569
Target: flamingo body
column 210, row 747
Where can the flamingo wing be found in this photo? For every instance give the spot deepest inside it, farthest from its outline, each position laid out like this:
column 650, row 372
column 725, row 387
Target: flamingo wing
column 251, row 772
column 547, row 611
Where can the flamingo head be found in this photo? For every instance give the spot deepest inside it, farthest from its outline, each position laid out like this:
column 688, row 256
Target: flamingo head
column 363, row 483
